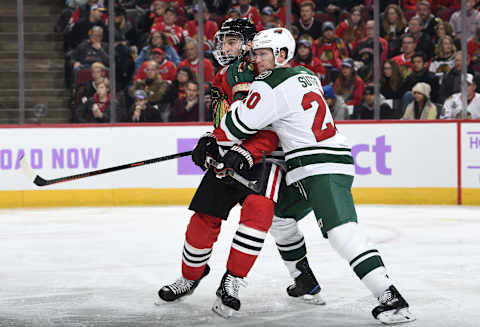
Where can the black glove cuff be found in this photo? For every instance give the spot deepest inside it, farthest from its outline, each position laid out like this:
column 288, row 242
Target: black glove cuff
column 244, row 152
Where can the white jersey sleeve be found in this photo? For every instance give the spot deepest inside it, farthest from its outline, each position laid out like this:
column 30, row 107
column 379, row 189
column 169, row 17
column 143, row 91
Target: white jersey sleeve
column 255, row 112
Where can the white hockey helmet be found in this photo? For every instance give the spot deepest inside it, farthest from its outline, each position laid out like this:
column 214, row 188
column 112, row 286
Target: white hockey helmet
column 277, row 39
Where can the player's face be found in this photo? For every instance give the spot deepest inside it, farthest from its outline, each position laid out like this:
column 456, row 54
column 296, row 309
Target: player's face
column 232, row 45
column 264, row 60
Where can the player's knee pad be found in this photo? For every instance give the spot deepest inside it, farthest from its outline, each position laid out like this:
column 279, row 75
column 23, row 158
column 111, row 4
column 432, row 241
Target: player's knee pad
column 257, row 212
column 285, row 230
column 203, row 230
column 348, row 240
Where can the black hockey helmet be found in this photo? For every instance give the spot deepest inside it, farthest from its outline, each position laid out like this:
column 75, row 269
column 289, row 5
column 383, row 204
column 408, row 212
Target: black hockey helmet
column 242, row 28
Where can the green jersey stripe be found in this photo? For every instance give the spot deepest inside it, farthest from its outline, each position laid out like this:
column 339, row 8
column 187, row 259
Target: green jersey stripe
column 302, row 161
column 245, row 127
column 361, row 255
column 234, row 130
column 317, row 148
column 368, row 265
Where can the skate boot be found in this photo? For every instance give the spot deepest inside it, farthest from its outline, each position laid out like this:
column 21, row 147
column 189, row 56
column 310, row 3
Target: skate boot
column 227, row 295
column 181, row 287
column 393, row 308
column 305, row 285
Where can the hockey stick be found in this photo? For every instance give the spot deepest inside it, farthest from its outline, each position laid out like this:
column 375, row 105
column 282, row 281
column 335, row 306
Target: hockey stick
column 254, row 185
column 39, row 181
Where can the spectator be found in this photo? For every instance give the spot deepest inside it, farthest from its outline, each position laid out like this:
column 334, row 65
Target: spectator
column 367, row 109
column 308, row 27
column 337, row 106
column 451, row 82
column 124, row 28
column 280, row 11
column 404, row 60
column 473, row 17
column 250, row 12
column 423, row 42
column 90, row 51
column 81, row 30
column 176, row 90
column 429, row 21
column 153, row 16
column 89, row 88
column 268, row 18
column 420, row 107
column 390, row 85
column 173, row 32
column 420, row 73
column 210, row 27
column 191, row 61
column 82, row 11
column 331, row 50
column 473, row 46
column 304, row 57
column 153, row 84
column 142, row 111
column 166, row 68
column 444, row 59
column 443, row 29
column 453, row 105
column 340, row 7
column 349, row 85
column 365, row 50
column 392, row 28
column 97, row 108
column 157, row 40
column 186, row 108
column 352, row 29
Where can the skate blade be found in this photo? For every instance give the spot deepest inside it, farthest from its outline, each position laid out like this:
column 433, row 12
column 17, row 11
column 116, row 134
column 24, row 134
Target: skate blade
column 222, row 310
column 315, row 299
column 396, row 317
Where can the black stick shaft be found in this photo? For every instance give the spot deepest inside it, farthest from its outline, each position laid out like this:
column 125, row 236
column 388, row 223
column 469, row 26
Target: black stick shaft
column 39, row 181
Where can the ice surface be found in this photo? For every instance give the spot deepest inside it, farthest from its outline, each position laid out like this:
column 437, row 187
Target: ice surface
column 103, row 266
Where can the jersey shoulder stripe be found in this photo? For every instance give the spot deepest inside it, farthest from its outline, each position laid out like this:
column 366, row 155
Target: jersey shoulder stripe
column 279, row 75
column 236, row 127
column 289, row 153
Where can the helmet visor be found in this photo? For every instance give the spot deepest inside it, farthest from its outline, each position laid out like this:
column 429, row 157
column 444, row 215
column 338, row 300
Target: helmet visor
column 228, row 46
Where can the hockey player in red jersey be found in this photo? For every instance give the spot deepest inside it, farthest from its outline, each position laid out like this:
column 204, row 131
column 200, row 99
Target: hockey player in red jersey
column 215, row 197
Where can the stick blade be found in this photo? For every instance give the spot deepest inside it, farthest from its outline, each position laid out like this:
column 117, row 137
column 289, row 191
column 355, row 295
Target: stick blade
column 26, row 169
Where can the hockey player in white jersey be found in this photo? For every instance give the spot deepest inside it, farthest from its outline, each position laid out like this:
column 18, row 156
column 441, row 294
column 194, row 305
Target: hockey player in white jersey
column 318, row 157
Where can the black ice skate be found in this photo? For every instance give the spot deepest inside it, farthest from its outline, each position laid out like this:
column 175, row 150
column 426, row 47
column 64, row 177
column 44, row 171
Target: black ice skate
column 306, row 285
column 181, row 287
column 227, row 295
column 393, row 308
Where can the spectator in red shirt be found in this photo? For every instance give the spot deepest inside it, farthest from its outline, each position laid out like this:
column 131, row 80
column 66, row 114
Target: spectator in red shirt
column 352, row 29
column 473, row 46
column 191, row 61
column 166, row 68
column 173, row 32
column 250, row 12
column 349, row 85
column 404, row 60
column 209, row 26
column 330, row 48
column 304, row 57
column 268, row 18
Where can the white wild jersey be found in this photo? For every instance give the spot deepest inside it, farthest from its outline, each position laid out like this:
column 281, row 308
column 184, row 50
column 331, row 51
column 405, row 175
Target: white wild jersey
column 291, row 101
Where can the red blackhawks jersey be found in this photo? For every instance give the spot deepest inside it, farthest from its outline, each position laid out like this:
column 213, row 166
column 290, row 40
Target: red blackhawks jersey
column 175, row 33
column 234, row 81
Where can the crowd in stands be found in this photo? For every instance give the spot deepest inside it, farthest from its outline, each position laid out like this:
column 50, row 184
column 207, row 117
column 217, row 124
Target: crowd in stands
column 157, row 59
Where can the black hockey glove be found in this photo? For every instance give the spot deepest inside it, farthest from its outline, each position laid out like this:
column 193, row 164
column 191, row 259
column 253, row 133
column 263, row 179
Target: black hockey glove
column 237, row 159
column 206, row 145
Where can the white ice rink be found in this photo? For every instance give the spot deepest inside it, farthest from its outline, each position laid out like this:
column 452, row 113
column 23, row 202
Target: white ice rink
column 103, row 266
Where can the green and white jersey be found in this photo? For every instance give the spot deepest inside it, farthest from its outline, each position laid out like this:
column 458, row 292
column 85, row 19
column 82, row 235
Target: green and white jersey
column 291, row 101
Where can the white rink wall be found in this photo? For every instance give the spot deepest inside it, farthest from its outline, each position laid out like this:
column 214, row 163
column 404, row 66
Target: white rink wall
column 395, row 162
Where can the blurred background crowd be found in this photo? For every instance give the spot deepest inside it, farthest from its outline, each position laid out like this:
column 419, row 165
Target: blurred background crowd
column 157, row 57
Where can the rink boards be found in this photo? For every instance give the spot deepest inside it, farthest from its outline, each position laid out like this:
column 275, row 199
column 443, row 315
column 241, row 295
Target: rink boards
column 396, row 162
